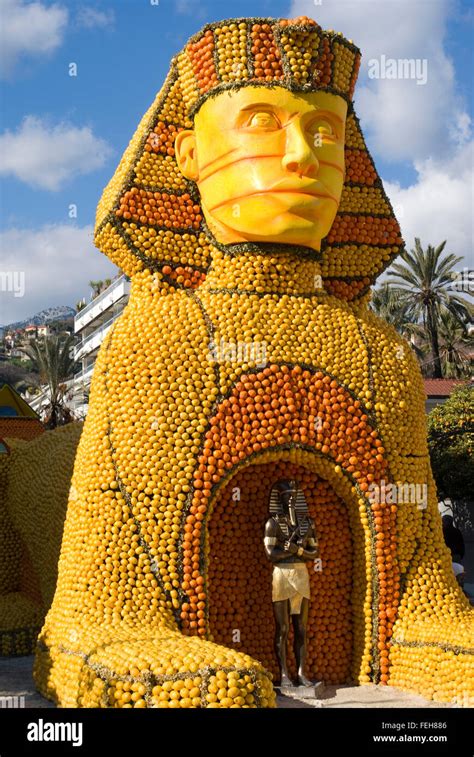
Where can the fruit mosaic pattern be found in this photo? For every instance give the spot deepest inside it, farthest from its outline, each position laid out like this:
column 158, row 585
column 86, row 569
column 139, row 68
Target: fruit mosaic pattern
column 150, row 589
column 34, row 484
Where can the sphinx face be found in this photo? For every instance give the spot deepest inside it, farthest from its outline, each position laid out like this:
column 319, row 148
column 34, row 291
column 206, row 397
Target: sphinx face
column 269, row 164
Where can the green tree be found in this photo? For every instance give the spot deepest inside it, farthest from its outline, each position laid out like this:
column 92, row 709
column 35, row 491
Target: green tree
column 454, row 346
column 387, row 304
column 16, row 374
column 395, row 310
column 27, row 365
column 96, row 287
column 423, row 282
column 54, row 361
column 451, row 444
column 61, row 326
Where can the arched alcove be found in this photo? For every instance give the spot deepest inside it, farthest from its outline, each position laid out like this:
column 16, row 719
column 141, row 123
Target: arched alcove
column 341, row 447
column 240, row 576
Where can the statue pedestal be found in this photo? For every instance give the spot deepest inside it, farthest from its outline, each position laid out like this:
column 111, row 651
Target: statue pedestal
column 303, row 692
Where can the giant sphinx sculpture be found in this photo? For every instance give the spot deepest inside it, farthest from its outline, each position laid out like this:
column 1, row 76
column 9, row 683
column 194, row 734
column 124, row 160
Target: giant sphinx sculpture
column 248, row 211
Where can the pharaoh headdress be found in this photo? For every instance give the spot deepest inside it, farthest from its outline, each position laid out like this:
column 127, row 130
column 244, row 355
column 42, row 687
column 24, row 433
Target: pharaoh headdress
column 275, row 507
column 301, row 507
column 150, row 216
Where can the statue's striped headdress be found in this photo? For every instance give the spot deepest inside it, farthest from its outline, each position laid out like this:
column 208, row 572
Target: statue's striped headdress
column 149, row 215
column 275, row 507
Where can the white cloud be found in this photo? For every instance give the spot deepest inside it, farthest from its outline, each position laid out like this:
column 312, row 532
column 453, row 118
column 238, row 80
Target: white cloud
column 404, row 120
column 184, row 6
column 29, row 29
column 57, row 261
column 190, row 8
column 439, row 205
column 91, row 18
column 49, row 156
column 425, row 125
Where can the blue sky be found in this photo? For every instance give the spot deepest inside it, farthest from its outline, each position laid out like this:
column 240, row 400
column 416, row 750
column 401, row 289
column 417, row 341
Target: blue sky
column 62, row 136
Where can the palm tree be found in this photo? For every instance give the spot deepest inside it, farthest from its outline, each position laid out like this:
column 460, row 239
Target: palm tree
column 52, row 358
column 423, row 284
column 96, row 287
column 455, row 345
column 80, row 305
column 387, row 305
column 28, row 384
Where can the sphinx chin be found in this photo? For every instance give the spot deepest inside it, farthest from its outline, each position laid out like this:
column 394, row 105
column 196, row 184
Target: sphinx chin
column 284, row 227
column 292, row 229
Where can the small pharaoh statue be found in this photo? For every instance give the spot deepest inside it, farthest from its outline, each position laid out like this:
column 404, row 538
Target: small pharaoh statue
column 290, row 541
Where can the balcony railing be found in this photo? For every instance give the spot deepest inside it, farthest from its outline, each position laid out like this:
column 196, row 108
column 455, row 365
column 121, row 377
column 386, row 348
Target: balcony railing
column 96, row 335
column 81, row 320
column 84, row 376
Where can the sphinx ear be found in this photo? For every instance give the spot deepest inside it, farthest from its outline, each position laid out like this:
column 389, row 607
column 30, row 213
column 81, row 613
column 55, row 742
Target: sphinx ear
column 186, row 157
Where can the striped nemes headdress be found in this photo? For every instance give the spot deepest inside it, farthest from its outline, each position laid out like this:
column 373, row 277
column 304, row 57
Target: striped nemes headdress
column 150, row 216
column 275, row 507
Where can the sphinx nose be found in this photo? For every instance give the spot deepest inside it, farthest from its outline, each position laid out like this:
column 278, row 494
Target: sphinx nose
column 299, row 154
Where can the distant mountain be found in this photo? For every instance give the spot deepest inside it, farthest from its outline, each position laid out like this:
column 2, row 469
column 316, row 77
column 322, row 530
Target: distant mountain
column 57, row 313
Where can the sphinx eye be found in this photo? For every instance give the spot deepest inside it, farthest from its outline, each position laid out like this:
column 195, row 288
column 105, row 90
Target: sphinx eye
column 323, row 129
column 263, row 119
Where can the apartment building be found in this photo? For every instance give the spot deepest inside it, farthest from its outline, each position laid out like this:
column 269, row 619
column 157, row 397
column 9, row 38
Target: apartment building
column 91, row 324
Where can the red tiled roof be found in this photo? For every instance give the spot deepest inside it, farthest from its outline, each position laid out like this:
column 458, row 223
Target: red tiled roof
column 20, row 428
column 441, row 387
